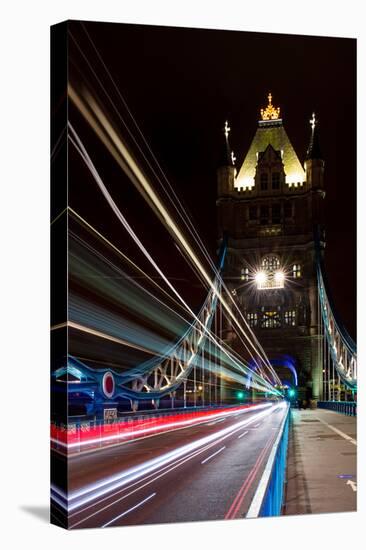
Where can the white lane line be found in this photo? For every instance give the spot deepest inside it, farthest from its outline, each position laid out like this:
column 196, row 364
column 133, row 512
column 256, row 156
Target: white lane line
column 165, row 470
column 129, row 510
column 243, row 434
column 162, row 472
column 216, row 422
column 218, row 437
column 342, row 434
column 257, row 425
column 214, row 454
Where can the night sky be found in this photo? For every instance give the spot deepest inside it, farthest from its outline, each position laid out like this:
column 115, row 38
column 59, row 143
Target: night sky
column 181, row 85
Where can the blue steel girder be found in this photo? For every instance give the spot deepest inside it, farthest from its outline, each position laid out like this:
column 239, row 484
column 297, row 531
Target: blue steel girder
column 155, row 378
column 342, row 348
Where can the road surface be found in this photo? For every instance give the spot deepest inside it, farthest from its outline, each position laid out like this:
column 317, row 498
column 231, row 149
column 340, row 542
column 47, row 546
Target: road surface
column 208, row 471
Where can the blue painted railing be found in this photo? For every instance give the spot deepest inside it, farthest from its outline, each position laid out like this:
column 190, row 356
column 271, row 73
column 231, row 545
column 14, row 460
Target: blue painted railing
column 344, row 407
column 268, row 499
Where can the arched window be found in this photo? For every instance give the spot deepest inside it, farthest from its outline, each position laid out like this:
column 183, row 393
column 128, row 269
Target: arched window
column 275, row 180
column 264, row 215
column 245, row 274
column 270, row 276
column 276, row 214
column 252, row 319
column 296, row 271
column 264, row 181
column 270, row 263
column 290, row 317
column 271, row 318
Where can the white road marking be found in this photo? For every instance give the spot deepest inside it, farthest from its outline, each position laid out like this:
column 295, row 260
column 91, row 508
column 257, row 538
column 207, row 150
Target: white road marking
column 353, row 484
column 342, row 434
column 129, row 510
column 226, row 432
column 214, row 454
column 242, row 435
column 257, row 425
column 162, row 472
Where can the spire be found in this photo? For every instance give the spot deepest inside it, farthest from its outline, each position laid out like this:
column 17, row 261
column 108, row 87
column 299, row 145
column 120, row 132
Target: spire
column 227, row 157
column 270, row 112
column 313, row 151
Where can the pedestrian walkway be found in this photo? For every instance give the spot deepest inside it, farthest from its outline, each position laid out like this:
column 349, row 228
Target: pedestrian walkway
column 321, row 468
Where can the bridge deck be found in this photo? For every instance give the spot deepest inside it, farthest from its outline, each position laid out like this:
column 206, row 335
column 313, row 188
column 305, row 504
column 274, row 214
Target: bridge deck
column 209, row 470
column 321, row 474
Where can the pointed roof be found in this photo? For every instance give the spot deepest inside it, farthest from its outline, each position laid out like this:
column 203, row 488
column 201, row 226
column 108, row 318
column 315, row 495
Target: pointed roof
column 270, row 131
column 314, row 151
column 269, row 153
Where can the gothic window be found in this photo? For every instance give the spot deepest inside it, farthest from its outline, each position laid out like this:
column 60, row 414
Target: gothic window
column 288, row 209
column 296, row 271
column 264, row 181
column 252, row 212
column 270, row 275
column 270, row 263
column 271, row 319
column 290, row 318
column 245, row 274
column 264, row 213
column 275, row 180
column 276, row 213
column 252, row 319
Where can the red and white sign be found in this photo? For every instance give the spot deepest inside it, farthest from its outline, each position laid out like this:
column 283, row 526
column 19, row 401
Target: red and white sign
column 108, row 384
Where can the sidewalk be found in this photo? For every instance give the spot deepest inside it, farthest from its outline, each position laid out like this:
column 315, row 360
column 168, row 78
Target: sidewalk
column 321, row 468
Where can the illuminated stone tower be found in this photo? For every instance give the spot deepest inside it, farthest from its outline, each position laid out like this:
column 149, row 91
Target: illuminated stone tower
column 268, row 211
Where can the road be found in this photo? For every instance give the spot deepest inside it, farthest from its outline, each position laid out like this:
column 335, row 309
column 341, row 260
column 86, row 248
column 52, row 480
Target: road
column 208, row 471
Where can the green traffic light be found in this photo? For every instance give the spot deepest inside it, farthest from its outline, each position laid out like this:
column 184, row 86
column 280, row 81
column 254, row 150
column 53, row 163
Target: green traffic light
column 291, row 392
column 240, row 394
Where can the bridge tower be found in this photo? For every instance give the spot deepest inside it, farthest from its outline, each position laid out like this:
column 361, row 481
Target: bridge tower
column 268, row 211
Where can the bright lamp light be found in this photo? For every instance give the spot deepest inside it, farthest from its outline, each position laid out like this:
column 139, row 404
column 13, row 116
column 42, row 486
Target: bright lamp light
column 279, row 277
column 260, row 278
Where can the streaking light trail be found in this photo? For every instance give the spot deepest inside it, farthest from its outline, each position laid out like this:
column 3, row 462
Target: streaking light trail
column 105, row 486
column 97, row 120
column 205, row 326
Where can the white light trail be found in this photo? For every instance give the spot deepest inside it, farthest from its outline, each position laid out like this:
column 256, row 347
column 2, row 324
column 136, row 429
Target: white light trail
column 119, row 151
column 105, row 486
column 84, row 154
column 170, row 193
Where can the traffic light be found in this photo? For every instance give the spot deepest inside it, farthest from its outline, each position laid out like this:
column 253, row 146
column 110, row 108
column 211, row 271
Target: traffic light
column 240, row 395
column 291, row 393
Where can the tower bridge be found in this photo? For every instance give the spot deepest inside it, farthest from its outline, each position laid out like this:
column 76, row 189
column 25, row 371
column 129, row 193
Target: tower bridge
column 271, row 210
column 266, row 338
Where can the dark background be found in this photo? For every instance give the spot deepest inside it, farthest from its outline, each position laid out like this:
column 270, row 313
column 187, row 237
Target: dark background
column 181, row 85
